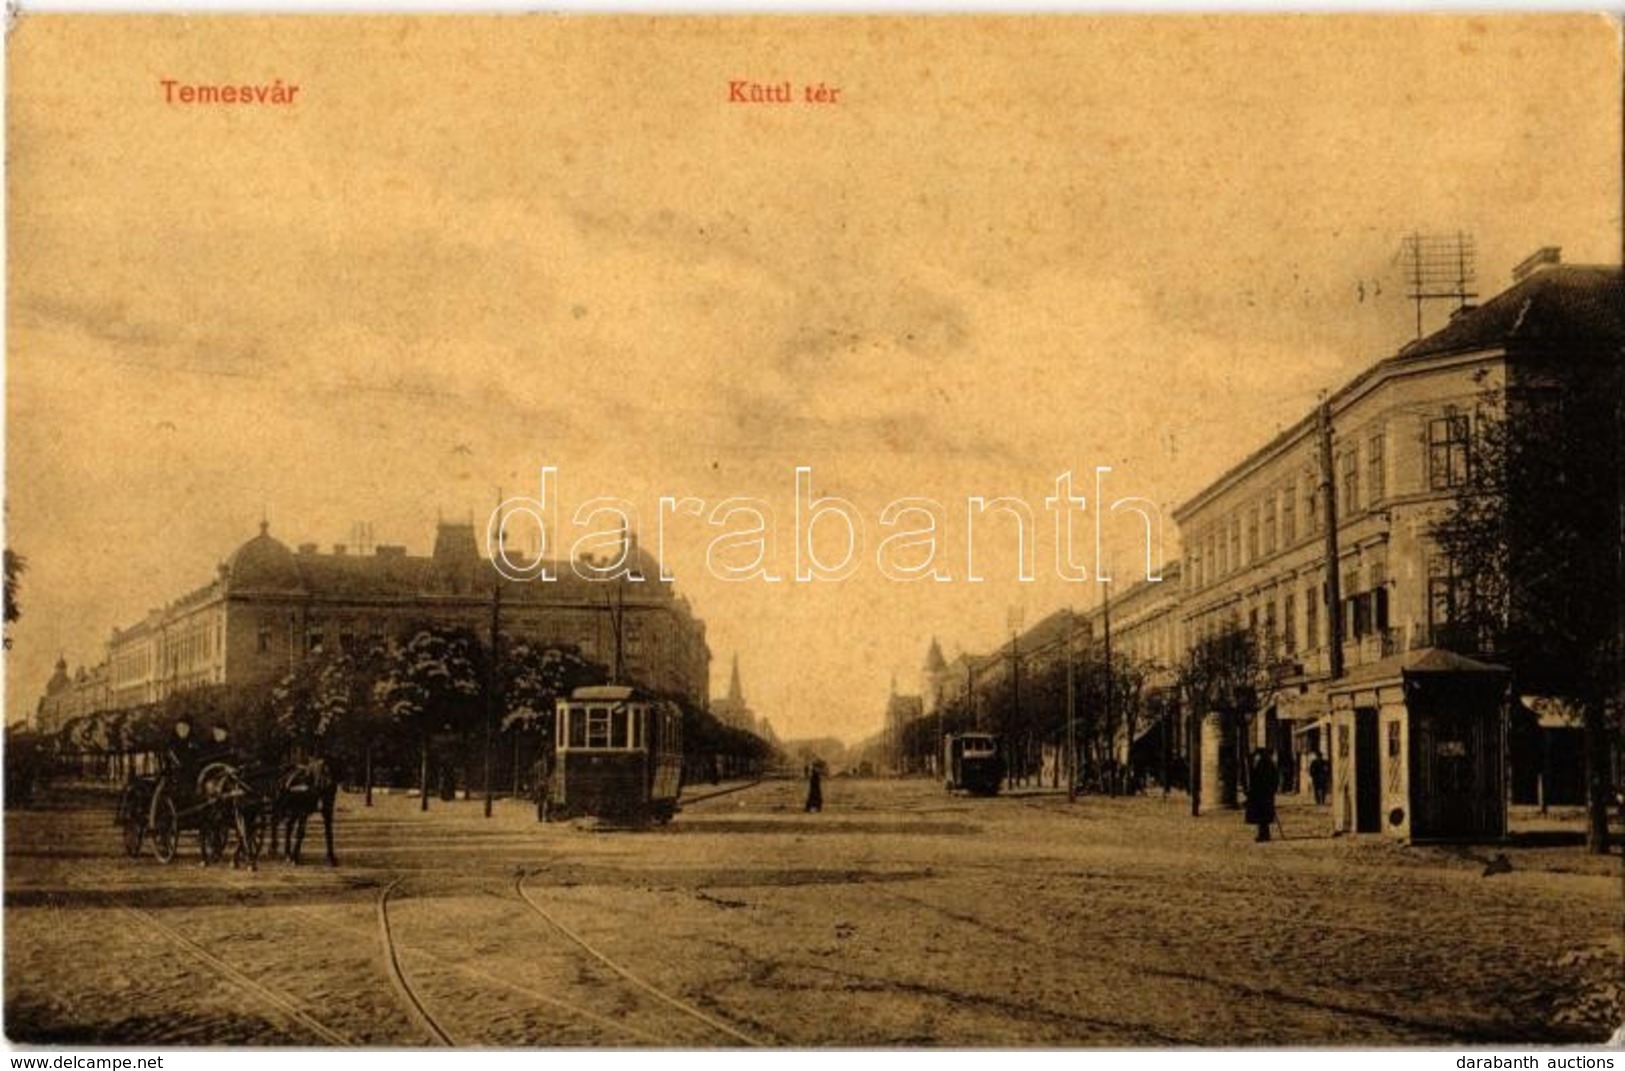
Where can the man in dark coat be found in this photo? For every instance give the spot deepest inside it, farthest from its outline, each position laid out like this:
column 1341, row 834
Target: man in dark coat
column 1320, row 777
column 815, row 789
column 1263, row 781
column 180, row 758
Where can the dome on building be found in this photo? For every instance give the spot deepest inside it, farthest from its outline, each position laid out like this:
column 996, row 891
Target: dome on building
column 640, row 562
column 263, row 564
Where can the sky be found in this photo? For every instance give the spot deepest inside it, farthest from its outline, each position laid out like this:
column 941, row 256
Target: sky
column 474, row 247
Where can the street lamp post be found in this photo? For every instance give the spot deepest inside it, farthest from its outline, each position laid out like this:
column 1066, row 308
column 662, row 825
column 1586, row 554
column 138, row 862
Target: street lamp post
column 1071, row 742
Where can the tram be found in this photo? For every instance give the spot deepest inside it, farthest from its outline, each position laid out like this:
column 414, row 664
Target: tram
column 618, row 756
column 972, row 763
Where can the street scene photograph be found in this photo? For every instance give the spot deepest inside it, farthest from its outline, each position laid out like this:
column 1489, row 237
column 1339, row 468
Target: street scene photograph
column 601, row 532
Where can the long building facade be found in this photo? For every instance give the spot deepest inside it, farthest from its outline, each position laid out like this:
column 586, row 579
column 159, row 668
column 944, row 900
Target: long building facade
column 270, row 606
column 1392, row 448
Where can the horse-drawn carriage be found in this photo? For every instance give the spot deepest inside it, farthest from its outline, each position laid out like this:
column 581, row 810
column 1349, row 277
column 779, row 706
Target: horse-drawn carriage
column 227, row 805
column 218, row 805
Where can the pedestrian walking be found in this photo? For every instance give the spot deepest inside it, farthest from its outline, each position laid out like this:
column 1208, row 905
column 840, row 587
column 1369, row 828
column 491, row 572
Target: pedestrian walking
column 541, row 779
column 1320, row 777
column 815, row 790
column 1263, row 781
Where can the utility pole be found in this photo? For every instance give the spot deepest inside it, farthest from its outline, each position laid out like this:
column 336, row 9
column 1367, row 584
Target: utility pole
column 1334, row 582
column 1015, row 701
column 1071, row 714
column 1111, row 729
column 494, row 674
column 1015, row 620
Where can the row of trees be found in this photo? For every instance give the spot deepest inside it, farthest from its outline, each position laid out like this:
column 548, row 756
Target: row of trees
column 417, row 708
column 1027, row 706
column 1233, row 672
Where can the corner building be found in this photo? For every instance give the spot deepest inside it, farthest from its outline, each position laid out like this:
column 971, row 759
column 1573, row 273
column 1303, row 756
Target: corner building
column 1255, row 553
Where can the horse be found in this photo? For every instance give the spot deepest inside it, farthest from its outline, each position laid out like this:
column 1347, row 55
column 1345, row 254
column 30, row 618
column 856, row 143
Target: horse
column 303, row 789
column 228, row 803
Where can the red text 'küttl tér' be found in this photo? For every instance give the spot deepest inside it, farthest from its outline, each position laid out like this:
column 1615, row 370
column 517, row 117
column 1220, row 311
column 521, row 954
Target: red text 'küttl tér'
column 745, row 92
column 275, row 92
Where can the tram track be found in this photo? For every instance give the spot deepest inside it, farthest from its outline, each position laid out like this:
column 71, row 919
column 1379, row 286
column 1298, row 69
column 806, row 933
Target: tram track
column 408, row 992
column 690, row 801
column 635, row 980
column 397, row 976
column 493, row 980
column 286, row 1006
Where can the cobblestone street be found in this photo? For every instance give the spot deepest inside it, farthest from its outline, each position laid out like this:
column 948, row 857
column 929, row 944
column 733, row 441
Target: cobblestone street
column 900, row 916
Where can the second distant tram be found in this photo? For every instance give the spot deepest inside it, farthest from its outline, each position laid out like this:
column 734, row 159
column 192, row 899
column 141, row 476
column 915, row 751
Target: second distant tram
column 972, row 763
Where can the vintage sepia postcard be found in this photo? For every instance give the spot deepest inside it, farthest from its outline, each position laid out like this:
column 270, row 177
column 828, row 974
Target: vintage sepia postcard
column 678, row 532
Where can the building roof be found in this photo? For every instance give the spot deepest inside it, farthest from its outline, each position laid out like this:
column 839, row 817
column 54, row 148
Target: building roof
column 264, row 565
column 1409, row 665
column 1568, row 302
column 1562, row 303
column 934, row 662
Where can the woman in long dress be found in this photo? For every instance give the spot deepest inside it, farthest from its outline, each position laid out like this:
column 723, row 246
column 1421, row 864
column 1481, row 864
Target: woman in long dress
column 1263, row 781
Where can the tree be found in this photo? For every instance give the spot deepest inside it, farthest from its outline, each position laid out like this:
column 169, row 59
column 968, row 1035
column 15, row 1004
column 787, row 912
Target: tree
column 431, row 682
column 534, row 679
column 327, row 706
column 1235, row 673
column 1533, row 542
column 15, row 565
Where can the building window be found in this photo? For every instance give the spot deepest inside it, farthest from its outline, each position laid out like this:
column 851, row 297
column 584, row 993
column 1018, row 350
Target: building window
column 1252, row 534
column 1289, row 623
column 1356, row 620
column 1311, row 504
column 1447, row 452
column 264, row 639
column 1311, row 618
column 1289, row 516
column 1235, row 543
column 1376, row 480
column 1449, row 595
column 1271, row 637
column 1269, row 525
column 1349, row 473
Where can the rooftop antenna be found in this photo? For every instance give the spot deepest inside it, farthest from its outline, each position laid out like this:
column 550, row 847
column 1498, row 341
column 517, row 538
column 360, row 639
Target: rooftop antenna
column 1438, row 267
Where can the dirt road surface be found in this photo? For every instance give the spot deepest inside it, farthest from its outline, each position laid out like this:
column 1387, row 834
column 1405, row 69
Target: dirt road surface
column 899, row 916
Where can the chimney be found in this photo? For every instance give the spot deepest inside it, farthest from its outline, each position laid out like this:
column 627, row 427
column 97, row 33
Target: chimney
column 1545, row 257
column 339, row 549
column 307, row 548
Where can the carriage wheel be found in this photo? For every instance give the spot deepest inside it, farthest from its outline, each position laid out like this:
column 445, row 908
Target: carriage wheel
column 166, row 830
